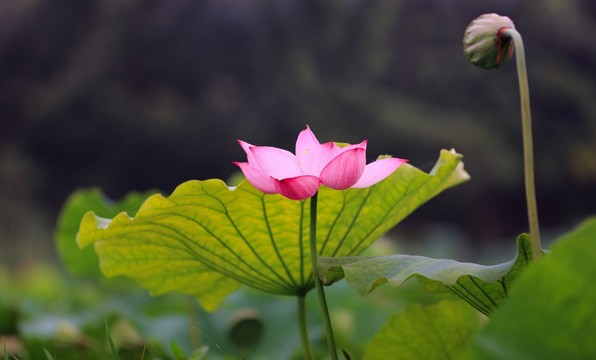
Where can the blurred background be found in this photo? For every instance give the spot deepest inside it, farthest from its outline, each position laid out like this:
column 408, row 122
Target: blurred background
column 137, row 95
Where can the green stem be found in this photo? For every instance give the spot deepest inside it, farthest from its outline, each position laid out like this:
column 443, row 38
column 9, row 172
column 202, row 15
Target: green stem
column 193, row 323
column 314, row 259
column 527, row 139
column 303, row 328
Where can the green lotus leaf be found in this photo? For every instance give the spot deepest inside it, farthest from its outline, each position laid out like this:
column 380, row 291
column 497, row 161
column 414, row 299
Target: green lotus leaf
column 551, row 311
column 85, row 262
column 206, row 239
column 483, row 287
column 448, row 327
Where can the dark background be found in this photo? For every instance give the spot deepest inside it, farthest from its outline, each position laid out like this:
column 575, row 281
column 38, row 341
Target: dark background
column 142, row 94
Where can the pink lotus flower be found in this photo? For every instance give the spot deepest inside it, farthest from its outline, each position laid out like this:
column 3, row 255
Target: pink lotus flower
column 299, row 176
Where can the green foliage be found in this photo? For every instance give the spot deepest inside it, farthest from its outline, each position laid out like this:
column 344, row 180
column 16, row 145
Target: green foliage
column 197, row 354
column 72, row 326
column 177, row 351
column 551, row 313
column 85, row 262
column 438, row 331
column 207, row 240
column 200, row 353
column 483, row 287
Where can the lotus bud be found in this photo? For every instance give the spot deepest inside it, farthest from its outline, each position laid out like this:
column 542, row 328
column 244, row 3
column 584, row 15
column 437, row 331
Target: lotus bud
column 485, row 42
column 245, row 328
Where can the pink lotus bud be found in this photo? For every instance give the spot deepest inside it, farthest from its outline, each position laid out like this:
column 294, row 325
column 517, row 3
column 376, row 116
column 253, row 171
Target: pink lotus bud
column 485, row 43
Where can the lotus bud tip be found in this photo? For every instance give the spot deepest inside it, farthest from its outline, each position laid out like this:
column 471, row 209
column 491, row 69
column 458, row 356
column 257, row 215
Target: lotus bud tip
column 485, row 43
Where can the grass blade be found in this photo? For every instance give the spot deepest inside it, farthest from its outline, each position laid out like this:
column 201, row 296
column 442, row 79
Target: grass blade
column 112, row 347
column 48, row 355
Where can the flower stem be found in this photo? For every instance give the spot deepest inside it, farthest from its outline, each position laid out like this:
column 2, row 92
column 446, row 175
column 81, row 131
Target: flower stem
column 527, row 140
column 321, row 293
column 303, row 328
column 193, row 323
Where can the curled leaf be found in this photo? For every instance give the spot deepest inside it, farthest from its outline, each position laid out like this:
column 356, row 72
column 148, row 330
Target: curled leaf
column 484, row 287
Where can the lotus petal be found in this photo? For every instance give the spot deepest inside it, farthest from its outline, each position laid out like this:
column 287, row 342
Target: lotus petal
column 257, row 179
column 345, row 170
column 275, row 162
column 298, row 188
column 377, row 171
